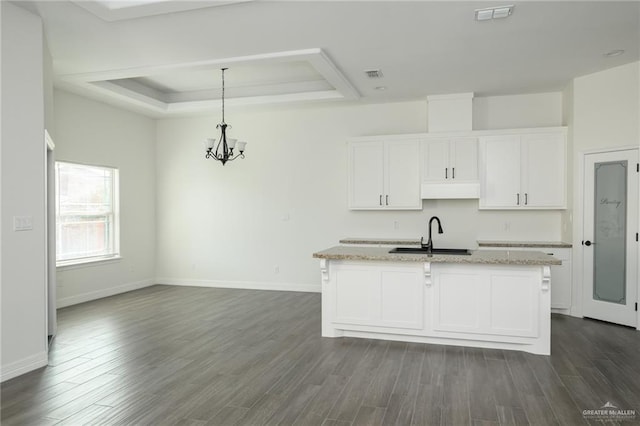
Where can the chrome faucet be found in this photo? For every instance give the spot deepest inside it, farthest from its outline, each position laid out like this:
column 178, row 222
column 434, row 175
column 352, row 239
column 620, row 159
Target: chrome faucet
column 429, row 245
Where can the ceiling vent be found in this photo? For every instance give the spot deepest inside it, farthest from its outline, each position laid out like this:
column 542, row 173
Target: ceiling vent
column 373, row 73
column 494, row 13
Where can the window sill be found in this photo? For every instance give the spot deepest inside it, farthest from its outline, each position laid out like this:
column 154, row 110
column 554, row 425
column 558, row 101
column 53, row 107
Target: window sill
column 84, row 263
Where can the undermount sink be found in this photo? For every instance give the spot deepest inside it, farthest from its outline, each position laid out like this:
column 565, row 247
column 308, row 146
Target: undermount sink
column 420, row 250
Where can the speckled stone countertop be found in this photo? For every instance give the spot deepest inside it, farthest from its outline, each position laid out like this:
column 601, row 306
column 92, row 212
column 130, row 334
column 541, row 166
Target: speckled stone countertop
column 382, row 241
column 526, row 244
column 489, row 257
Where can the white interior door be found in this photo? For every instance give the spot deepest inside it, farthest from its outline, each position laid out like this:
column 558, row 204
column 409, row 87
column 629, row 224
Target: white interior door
column 610, row 248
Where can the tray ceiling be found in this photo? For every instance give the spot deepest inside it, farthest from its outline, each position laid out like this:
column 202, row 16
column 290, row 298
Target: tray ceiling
column 163, row 57
column 304, row 75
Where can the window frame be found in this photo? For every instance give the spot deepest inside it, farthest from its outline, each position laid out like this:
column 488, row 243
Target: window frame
column 115, row 212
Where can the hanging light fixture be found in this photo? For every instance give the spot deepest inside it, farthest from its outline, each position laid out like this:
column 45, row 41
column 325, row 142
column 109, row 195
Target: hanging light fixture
column 224, row 148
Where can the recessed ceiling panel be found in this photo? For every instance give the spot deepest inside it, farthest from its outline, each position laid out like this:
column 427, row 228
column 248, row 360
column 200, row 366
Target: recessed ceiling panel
column 304, row 75
column 119, row 10
column 248, row 75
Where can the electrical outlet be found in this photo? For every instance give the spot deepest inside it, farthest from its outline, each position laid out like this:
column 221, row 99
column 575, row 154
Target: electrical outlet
column 396, row 225
column 276, row 269
column 22, row 223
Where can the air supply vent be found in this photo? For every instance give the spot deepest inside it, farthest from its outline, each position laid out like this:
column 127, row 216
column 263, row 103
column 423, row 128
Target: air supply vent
column 494, row 13
column 373, row 73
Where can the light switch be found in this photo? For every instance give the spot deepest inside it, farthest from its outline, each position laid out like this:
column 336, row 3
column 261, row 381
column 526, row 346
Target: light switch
column 22, row 223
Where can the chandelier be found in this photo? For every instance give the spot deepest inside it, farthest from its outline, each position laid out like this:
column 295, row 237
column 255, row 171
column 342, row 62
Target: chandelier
column 224, row 149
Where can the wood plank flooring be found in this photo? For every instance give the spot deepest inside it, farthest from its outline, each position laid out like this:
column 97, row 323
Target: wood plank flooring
column 195, row 356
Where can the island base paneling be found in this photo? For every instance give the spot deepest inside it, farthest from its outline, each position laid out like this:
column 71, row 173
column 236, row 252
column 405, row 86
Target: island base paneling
column 487, row 306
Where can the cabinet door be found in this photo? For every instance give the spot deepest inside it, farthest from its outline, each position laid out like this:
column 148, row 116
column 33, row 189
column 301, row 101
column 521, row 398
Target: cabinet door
column 543, row 170
column 435, row 160
column 356, row 293
column 402, row 298
column 458, row 299
column 500, row 172
column 402, row 175
column 464, row 159
column 560, row 274
column 378, row 296
column 492, row 301
column 366, row 175
column 514, row 303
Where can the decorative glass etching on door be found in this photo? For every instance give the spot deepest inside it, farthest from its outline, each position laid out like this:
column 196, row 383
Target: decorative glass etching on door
column 610, row 221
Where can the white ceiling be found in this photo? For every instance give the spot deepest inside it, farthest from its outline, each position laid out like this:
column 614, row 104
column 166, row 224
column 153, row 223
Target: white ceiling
column 163, row 57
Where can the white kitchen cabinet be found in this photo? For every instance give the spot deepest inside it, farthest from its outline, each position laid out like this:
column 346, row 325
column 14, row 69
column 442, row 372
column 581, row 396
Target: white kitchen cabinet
column 450, row 168
column 378, row 296
column 561, row 275
column 478, row 305
column 500, row 171
column 544, row 169
column 450, row 159
column 384, row 175
column 486, row 301
column 523, row 171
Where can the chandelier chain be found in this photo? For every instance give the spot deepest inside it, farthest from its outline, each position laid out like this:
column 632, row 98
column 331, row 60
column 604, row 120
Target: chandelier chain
column 223, row 70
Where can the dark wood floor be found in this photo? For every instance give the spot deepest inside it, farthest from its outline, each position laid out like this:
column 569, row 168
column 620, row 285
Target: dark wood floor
column 194, row 356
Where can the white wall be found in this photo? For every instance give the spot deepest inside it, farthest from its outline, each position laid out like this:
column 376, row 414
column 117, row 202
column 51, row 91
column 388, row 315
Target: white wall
column 606, row 114
column 606, row 108
column 94, row 133
column 517, row 111
column 23, row 275
column 234, row 225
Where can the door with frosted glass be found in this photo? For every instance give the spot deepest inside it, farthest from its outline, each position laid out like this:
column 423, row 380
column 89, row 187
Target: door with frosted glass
column 609, row 236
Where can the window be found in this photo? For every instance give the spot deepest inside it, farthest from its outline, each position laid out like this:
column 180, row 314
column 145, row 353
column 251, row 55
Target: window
column 86, row 213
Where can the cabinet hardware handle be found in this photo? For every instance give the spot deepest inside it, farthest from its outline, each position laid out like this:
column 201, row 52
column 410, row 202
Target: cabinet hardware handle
column 518, row 199
column 387, row 199
column 526, row 198
column 550, row 254
column 453, row 173
column 446, row 173
column 380, row 199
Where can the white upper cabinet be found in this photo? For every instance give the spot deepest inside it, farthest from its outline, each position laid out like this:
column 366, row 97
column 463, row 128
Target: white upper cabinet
column 450, row 167
column 366, row 174
column 450, row 159
column 543, row 177
column 505, row 169
column 523, row 171
column 384, row 174
column 500, row 171
column 464, row 153
column 403, row 175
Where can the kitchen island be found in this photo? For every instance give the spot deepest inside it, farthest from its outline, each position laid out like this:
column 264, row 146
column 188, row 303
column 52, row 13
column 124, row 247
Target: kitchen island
column 490, row 299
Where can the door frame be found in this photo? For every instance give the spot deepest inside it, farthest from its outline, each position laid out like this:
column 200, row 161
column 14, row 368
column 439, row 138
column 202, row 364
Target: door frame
column 50, row 231
column 578, row 228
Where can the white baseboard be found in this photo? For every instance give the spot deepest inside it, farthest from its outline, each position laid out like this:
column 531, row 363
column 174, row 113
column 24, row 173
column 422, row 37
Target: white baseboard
column 563, row 311
column 99, row 294
column 248, row 285
column 23, row 366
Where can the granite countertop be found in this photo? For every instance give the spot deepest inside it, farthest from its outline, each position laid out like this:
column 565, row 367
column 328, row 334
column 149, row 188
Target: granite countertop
column 527, row 244
column 490, row 257
column 382, row 241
